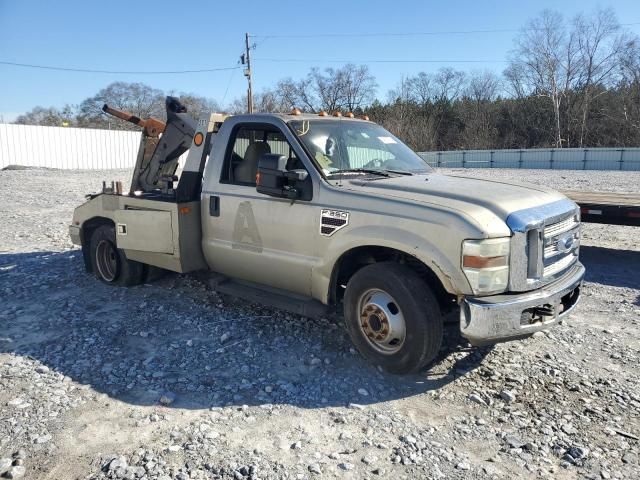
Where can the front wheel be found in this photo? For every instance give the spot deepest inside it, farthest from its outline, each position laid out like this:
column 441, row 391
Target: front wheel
column 392, row 317
column 109, row 263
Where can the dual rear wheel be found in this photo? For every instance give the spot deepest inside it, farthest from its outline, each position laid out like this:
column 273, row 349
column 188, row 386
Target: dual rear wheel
column 109, row 263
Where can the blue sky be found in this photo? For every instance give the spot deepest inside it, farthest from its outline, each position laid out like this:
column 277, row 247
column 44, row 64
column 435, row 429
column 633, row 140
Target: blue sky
column 170, row 35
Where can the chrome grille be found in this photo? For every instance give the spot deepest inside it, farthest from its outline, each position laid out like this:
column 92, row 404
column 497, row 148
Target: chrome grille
column 544, row 244
column 561, row 243
column 559, row 266
column 556, row 229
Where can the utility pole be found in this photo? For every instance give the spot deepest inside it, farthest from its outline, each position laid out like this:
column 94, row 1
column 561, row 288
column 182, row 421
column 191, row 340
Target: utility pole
column 246, row 60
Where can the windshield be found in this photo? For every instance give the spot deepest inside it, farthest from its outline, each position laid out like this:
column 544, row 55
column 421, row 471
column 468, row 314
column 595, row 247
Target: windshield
column 342, row 145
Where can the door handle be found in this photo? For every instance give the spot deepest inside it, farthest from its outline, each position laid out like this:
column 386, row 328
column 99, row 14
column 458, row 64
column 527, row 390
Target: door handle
column 214, row 206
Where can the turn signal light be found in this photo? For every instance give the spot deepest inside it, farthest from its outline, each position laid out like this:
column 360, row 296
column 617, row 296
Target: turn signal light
column 472, row 261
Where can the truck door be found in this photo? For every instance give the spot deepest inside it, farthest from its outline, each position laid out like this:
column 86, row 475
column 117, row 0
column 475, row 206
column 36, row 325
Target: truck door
column 252, row 236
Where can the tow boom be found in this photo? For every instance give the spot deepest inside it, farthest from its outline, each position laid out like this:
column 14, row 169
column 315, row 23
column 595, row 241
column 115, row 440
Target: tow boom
column 158, row 157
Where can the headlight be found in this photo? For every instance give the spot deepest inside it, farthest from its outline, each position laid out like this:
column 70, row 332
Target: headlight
column 486, row 264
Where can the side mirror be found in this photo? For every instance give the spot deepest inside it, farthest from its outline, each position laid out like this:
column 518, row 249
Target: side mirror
column 275, row 180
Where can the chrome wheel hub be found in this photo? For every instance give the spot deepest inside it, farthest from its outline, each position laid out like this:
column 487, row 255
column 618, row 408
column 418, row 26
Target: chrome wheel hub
column 381, row 321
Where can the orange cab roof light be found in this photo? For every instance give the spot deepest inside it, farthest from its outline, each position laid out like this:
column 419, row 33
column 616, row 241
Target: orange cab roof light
column 349, row 114
column 337, row 114
column 322, row 113
column 295, row 111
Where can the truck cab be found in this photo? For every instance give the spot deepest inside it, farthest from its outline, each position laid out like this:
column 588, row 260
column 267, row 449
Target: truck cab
column 307, row 211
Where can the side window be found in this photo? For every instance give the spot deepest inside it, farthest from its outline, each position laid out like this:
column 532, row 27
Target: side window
column 249, row 144
column 241, row 164
column 278, row 144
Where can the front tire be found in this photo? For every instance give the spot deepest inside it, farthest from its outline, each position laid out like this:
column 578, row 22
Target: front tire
column 109, row 263
column 393, row 317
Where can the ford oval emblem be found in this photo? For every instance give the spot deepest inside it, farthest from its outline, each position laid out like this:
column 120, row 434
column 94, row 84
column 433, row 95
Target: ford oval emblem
column 565, row 243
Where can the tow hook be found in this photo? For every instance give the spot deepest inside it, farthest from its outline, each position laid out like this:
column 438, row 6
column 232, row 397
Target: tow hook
column 537, row 314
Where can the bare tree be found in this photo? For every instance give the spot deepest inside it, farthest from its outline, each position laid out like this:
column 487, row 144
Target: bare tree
column 477, row 110
column 297, row 94
column 544, row 62
column 599, row 47
column 350, row 87
column 137, row 98
column 483, row 87
column 197, row 105
column 397, row 117
column 629, row 85
column 449, row 84
column 329, row 88
column 359, row 86
column 514, row 76
column 422, row 88
column 269, row 101
column 51, row 117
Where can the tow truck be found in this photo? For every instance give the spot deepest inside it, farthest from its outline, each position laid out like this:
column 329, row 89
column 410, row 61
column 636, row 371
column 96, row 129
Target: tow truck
column 311, row 212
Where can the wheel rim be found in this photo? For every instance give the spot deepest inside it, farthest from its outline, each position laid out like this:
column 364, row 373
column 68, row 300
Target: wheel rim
column 381, row 321
column 107, row 260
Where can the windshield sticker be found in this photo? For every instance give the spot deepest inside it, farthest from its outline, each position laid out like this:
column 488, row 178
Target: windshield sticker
column 387, row 140
column 364, row 134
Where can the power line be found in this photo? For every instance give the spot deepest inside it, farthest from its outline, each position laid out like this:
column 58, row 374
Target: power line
column 383, row 34
column 226, row 91
column 308, row 60
column 406, row 34
column 123, row 72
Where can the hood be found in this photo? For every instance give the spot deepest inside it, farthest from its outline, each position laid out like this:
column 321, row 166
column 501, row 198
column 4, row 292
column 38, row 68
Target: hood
column 458, row 192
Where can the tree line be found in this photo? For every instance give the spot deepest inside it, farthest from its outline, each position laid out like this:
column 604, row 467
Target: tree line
column 567, row 83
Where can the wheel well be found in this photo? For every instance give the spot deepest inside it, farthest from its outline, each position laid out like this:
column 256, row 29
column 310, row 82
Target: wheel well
column 87, row 229
column 355, row 259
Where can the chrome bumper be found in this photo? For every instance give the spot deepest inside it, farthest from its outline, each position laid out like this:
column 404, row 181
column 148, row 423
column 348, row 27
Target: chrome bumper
column 486, row 320
column 74, row 233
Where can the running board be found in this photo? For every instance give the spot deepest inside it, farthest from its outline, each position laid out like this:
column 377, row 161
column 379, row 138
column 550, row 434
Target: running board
column 269, row 296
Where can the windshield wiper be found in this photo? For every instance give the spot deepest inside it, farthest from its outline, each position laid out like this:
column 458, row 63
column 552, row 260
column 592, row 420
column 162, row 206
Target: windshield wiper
column 360, row 170
column 398, row 172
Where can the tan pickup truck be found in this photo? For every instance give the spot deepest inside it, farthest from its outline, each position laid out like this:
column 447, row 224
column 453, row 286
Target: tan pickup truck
column 309, row 211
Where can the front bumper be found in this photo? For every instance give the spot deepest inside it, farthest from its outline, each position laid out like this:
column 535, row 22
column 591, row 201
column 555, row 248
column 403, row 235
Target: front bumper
column 486, row 320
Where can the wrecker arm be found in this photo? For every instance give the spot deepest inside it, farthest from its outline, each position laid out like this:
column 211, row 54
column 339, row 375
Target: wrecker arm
column 160, row 147
column 151, row 127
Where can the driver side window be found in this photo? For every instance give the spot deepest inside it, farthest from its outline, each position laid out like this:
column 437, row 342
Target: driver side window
column 249, row 144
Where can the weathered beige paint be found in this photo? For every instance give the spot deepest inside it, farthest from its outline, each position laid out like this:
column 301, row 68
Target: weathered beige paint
column 179, row 252
column 144, row 230
column 277, row 242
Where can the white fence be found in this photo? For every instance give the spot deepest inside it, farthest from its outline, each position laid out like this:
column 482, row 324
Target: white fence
column 68, row 148
column 627, row 159
column 85, row 148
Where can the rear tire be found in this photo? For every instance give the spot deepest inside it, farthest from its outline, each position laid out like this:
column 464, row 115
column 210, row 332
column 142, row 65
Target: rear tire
column 393, row 317
column 109, row 263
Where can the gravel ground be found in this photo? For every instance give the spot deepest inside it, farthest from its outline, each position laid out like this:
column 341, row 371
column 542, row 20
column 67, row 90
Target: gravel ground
column 169, row 380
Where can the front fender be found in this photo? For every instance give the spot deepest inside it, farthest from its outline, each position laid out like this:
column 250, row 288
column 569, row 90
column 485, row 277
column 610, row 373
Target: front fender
column 444, row 264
